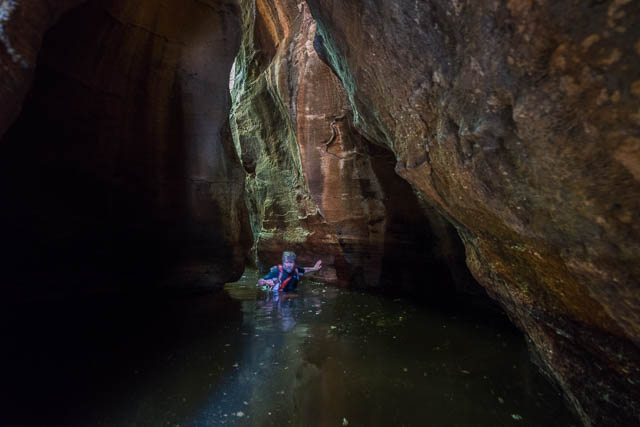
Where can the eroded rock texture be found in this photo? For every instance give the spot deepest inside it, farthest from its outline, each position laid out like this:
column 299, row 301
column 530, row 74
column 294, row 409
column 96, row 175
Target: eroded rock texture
column 314, row 183
column 22, row 25
column 520, row 120
column 121, row 163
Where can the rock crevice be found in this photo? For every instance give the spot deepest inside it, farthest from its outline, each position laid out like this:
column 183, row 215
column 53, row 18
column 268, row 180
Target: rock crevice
column 315, row 184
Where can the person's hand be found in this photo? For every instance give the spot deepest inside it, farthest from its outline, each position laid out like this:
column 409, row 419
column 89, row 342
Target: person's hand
column 263, row 282
column 318, row 265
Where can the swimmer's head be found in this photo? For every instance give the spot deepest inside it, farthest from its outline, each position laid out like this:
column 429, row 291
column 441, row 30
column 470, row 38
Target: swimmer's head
column 288, row 261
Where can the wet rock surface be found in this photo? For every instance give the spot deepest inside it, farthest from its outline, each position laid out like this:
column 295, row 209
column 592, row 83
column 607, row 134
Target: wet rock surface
column 314, row 183
column 121, row 164
column 519, row 120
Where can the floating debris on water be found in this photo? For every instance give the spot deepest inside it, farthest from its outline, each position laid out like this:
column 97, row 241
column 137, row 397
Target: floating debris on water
column 516, row 417
column 345, row 422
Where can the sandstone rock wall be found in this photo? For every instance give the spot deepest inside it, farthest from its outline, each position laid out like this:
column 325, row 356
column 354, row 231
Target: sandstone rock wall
column 517, row 119
column 121, row 161
column 314, row 183
column 22, row 26
column 520, row 120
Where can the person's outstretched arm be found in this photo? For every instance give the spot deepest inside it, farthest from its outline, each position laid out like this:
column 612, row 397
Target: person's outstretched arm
column 268, row 280
column 265, row 282
column 316, row 267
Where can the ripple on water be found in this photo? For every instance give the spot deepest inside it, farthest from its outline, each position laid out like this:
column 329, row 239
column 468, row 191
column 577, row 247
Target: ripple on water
column 323, row 357
column 335, row 355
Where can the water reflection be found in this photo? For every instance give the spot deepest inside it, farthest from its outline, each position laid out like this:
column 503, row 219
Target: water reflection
column 323, row 357
column 279, row 306
column 326, row 356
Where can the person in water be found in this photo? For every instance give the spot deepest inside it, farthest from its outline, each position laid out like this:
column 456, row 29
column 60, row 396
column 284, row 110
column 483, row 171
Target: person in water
column 285, row 277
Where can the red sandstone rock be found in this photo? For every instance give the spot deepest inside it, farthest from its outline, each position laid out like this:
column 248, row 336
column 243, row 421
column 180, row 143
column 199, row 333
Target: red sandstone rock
column 316, row 185
column 519, row 119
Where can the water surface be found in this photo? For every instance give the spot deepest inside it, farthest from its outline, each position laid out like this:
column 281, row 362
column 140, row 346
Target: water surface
column 246, row 357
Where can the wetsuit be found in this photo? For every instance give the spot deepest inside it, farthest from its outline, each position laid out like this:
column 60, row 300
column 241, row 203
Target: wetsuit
column 285, row 284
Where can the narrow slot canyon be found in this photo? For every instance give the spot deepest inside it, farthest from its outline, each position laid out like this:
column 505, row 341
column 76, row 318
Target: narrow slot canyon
column 468, row 174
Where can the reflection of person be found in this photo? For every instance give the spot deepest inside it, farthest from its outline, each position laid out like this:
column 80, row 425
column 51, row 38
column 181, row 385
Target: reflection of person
column 285, row 277
column 278, row 308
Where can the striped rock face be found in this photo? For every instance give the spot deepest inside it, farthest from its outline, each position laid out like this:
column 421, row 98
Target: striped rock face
column 314, row 183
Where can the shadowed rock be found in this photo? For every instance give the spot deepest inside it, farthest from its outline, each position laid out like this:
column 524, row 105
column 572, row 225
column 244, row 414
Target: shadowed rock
column 121, row 164
column 519, row 120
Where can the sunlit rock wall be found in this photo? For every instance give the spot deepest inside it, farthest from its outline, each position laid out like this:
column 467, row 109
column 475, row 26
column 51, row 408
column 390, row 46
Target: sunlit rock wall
column 314, row 184
column 520, row 120
column 120, row 167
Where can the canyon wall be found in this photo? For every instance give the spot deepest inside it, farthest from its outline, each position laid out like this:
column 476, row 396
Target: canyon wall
column 120, row 168
column 314, row 183
column 371, row 133
column 520, row 121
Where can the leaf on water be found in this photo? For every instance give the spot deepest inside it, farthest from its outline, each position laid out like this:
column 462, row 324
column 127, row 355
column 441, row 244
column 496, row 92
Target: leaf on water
column 464, row 371
column 501, row 400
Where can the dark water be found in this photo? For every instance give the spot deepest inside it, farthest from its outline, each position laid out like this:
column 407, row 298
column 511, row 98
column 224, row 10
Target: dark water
column 324, row 357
